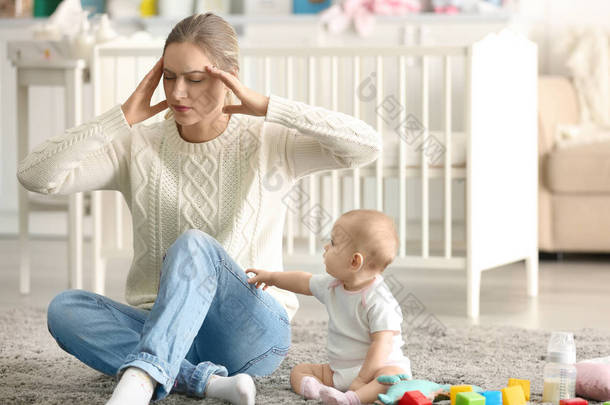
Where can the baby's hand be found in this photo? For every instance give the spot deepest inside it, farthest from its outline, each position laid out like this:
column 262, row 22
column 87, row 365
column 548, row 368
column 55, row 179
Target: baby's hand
column 357, row 383
column 262, row 276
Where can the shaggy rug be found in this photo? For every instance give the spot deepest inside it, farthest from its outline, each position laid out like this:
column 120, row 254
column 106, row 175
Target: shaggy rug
column 34, row 370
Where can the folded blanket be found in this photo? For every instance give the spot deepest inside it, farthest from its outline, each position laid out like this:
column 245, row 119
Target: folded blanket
column 593, row 379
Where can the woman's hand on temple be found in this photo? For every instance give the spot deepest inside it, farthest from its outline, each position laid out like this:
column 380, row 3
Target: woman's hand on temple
column 137, row 108
column 261, row 277
column 252, row 103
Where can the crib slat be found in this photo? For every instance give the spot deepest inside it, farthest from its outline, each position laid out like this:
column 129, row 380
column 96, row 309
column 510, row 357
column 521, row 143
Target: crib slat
column 402, row 170
column 448, row 199
column 356, row 108
column 267, row 74
column 289, row 216
column 379, row 171
column 335, row 107
column 424, row 162
column 313, row 178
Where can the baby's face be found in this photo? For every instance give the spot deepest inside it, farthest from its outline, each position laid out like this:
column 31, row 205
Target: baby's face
column 339, row 250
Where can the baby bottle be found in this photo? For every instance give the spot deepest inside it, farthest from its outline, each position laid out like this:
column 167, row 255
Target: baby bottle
column 559, row 371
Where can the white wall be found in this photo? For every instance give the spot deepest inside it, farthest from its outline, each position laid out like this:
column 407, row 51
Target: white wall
column 548, row 20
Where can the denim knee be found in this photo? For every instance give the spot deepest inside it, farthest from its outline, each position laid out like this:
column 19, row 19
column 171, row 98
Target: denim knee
column 60, row 307
column 195, row 241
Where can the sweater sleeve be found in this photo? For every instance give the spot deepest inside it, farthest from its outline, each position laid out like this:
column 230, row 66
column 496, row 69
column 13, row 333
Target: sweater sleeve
column 90, row 156
column 320, row 139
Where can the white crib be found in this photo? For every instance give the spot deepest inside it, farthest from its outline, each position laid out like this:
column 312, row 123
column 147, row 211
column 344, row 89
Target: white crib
column 477, row 131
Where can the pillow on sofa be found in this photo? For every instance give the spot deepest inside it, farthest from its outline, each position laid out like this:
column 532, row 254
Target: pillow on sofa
column 593, row 381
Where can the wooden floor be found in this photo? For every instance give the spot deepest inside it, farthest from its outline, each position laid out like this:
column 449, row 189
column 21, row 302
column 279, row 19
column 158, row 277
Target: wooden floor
column 574, row 291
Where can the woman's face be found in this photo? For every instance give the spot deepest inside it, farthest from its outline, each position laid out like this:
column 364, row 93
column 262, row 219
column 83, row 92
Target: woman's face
column 187, row 84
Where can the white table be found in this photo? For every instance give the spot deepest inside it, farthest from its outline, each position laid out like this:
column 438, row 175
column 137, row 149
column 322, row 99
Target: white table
column 70, row 75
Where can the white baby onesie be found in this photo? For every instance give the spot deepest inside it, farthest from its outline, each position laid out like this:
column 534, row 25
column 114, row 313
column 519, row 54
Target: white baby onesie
column 353, row 316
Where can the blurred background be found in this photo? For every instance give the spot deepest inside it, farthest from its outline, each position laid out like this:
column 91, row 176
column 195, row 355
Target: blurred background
column 565, row 160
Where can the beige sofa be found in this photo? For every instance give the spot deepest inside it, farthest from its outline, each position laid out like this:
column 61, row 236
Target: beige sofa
column 574, row 183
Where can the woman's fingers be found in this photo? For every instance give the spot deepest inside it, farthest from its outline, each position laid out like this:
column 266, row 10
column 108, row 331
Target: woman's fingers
column 227, row 78
column 151, row 80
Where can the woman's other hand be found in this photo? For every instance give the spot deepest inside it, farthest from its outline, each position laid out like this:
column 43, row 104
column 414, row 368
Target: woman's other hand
column 252, row 103
column 261, row 277
column 137, row 108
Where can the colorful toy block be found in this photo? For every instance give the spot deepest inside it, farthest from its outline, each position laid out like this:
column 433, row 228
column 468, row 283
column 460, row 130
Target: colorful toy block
column 513, row 395
column 469, row 398
column 455, row 389
column 492, row 397
column 414, row 398
column 525, row 384
column 573, row 401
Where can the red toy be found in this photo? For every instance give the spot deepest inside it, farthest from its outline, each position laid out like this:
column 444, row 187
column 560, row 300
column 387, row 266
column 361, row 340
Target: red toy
column 417, row 398
column 573, row 401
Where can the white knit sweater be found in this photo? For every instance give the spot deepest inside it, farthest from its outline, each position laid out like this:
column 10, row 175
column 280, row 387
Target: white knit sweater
column 234, row 187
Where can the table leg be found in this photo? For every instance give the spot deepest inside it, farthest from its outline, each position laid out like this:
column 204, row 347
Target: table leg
column 73, row 107
column 24, row 204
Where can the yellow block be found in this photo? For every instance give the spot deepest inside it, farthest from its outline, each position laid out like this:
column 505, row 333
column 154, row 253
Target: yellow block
column 525, row 384
column 148, row 8
column 513, row 395
column 455, row 389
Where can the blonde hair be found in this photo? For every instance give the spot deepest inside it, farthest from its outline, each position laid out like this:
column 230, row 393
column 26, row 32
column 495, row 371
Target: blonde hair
column 374, row 233
column 216, row 38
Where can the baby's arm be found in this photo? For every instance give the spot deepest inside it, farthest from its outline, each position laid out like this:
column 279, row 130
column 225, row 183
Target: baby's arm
column 295, row 281
column 377, row 355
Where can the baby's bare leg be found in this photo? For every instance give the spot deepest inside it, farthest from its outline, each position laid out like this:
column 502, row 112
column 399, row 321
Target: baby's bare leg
column 368, row 393
column 320, row 372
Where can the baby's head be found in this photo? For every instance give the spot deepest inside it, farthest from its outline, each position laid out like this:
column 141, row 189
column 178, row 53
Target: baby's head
column 362, row 244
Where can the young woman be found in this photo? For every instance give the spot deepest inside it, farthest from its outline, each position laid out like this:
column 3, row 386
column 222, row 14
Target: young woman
column 208, row 190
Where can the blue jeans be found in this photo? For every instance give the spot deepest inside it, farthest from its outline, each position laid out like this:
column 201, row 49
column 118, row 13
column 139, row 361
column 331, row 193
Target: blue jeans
column 206, row 320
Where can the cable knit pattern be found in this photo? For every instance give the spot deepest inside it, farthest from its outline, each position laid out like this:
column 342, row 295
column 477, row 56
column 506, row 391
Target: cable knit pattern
column 231, row 187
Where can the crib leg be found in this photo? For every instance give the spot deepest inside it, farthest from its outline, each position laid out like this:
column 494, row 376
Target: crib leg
column 473, row 295
column 531, row 266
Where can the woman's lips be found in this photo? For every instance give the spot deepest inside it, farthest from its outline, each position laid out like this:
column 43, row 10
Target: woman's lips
column 181, row 108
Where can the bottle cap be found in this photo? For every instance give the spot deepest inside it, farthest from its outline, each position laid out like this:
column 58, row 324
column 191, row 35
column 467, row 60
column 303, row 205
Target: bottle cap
column 561, row 348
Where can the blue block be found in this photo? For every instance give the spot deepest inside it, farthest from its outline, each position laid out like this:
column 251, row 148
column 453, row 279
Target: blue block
column 309, row 7
column 492, row 397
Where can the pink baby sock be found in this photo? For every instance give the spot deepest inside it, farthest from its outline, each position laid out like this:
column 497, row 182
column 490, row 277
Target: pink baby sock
column 333, row 396
column 310, row 387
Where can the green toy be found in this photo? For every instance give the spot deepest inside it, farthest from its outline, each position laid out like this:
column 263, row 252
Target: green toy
column 401, row 383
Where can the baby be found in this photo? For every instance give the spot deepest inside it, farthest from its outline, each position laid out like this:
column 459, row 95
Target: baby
column 364, row 327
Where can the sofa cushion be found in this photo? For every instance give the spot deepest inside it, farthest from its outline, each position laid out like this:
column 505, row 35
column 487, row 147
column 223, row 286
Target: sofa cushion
column 579, row 169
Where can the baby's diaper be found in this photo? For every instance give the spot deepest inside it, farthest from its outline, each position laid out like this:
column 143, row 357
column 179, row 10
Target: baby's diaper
column 343, row 377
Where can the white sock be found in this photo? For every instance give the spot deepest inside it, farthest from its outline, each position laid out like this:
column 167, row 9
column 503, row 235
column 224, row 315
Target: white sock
column 238, row 389
column 135, row 388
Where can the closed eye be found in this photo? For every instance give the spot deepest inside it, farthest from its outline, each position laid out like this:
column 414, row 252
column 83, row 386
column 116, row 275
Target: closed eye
column 173, row 78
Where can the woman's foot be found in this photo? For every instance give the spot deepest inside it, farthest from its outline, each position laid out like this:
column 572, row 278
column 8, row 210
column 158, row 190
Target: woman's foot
column 135, row 388
column 238, row 389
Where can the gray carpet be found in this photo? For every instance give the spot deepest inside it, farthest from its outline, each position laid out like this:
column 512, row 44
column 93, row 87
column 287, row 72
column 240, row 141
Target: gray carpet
column 34, row 370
